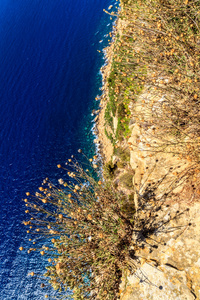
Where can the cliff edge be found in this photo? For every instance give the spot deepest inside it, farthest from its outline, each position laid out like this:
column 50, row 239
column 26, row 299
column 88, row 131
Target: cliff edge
column 150, row 124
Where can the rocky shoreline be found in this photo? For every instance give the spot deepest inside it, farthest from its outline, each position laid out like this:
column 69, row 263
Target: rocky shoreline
column 106, row 147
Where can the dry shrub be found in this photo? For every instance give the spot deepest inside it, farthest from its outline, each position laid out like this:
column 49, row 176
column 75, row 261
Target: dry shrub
column 88, row 227
column 158, row 56
column 88, row 234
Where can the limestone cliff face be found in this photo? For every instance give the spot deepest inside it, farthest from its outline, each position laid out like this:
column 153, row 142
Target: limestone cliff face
column 170, row 259
column 172, row 271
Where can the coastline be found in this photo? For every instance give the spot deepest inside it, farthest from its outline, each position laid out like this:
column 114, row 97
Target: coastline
column 150, row 167
column 106, row 147
column 138, row 229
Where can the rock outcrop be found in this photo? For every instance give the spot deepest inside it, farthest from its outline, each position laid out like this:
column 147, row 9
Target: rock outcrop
column 172, row 269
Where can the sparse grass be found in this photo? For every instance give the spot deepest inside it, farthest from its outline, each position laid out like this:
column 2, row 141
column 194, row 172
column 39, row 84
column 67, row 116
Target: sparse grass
column 122, row 130
column 159, row 50
column 123, row 154
column 127, row 180
column 165, row 43
column 108, row 116
column 110, row 137
column 121, row 164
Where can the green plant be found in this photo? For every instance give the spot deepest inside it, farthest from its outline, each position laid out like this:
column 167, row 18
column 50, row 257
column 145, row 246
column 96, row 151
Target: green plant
column 108, row 116
column 110, row 137
column 123, row 154
column 121, row 164
column 127, row 180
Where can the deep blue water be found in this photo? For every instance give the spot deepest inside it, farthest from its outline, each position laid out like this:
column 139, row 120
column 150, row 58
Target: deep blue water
column 49, row 77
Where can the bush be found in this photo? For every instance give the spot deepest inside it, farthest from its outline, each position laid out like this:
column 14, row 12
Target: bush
column 128, row 206
column 88, row 233
column 88, row 226
column 127, row 180
column 109, row 169
column 121, row 110
column 121, row 164
column 123, row 154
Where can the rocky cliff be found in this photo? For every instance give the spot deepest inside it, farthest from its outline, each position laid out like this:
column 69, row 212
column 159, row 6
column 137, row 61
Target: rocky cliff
column 151, row 116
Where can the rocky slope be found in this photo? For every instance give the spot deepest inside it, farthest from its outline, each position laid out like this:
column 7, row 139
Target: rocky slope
column 169, row 257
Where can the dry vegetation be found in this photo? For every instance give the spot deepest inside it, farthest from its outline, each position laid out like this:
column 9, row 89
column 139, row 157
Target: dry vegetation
column 158, row 53
column 87, row 222
column 88, row 226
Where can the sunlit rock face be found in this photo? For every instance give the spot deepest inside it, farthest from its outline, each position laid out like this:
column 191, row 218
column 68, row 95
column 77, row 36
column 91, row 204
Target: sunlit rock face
column 172, row 270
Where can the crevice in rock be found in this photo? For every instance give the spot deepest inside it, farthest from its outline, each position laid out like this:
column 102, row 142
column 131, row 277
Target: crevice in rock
column 189, row 284
column 171, row 266
column 192, row 292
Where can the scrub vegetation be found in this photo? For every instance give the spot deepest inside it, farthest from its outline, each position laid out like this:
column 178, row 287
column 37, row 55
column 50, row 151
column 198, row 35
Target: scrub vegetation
column 89, row 222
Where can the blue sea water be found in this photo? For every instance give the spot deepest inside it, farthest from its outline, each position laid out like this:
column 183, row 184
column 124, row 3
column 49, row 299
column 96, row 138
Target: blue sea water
column 49, row 78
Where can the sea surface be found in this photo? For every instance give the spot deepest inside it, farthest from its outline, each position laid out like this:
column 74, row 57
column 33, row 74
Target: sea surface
column 49, row 78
